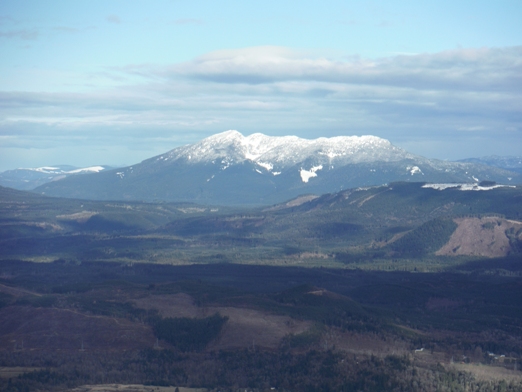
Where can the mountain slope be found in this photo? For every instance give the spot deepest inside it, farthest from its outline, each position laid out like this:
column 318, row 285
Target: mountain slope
column 231, row 169
column 401, row 220
column 506, row 162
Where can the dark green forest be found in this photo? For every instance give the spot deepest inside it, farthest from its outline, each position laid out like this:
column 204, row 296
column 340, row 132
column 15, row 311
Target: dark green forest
column 339, row 292
column 401, row 307
column 189, row 334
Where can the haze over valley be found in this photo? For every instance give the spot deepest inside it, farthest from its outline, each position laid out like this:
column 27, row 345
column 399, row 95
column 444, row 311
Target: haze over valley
column 235, row 196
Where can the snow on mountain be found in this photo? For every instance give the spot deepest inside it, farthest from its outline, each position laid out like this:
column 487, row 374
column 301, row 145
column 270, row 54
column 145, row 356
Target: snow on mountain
column 310, row 159
column 45, row 169
column 281, row 151
column 92, row 169
column 30, row 178
column 232, row 169
column 307, row 174
column 466, row 187
column 63, row 169
column 414, row 170
column 276, row 153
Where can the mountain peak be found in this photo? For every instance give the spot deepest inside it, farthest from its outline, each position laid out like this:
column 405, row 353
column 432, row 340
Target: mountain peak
column 224, row 137
column 284, row 151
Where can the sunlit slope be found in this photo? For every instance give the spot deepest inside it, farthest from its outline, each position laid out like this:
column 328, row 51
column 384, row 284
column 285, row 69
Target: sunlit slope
column 401, row 219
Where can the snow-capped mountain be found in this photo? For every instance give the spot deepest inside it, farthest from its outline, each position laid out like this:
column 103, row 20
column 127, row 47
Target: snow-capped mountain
column 276, row 154
column 30, row 178
column 229, row 168
column 286, row 151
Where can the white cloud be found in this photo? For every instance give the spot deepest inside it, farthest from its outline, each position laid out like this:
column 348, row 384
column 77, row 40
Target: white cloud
column 474, row 69
column 282, row 91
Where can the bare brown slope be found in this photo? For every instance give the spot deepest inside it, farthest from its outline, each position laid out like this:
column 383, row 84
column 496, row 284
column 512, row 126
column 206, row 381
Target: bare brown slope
column 480, row 237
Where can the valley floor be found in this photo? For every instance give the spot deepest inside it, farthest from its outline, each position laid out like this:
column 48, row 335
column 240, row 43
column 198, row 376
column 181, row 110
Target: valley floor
column 63, row 326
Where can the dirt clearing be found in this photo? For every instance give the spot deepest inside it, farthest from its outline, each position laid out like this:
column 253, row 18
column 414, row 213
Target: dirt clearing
column 480, row 237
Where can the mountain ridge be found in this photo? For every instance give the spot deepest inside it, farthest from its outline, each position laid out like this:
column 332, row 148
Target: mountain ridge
column 32, row 177
column 513, row 163
column 231, row 169
column 285, row 150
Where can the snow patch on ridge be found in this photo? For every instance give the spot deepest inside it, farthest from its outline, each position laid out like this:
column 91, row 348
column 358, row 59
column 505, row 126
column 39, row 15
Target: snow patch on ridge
column 226, row 164
column 465, row 187
column 307, row 174
column 57, row 170
column 92, row 169
column 266, row 165
column 414, row 170
column 45, row 169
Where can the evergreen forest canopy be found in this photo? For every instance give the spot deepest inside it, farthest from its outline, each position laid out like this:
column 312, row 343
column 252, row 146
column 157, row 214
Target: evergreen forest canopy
column 398, row 287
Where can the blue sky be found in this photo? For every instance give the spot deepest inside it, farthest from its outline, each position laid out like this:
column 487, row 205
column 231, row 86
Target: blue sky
column 116, row 82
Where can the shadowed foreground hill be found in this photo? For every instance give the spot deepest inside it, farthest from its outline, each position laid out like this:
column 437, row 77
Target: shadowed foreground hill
column 67, row 325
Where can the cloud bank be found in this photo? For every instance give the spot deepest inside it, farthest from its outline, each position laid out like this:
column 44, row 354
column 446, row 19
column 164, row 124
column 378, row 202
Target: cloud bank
column 467, row 99
column 469, row 69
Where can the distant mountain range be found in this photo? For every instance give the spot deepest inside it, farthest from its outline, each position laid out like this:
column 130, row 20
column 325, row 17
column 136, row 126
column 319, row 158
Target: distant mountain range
column 509, row 163
column 30, row 178
column 231, row 169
